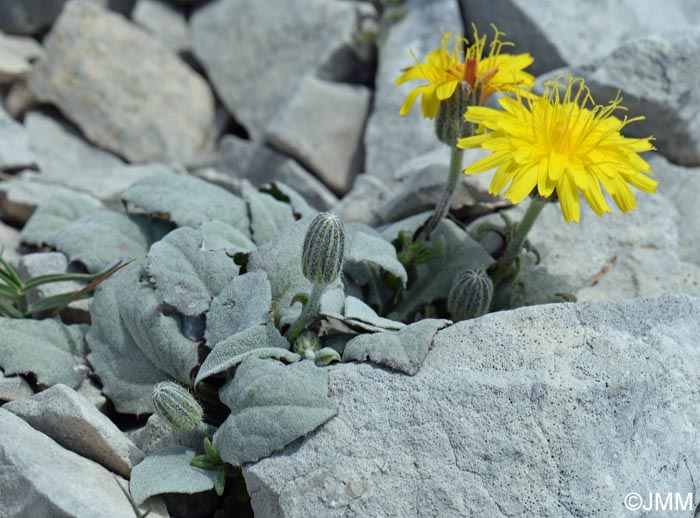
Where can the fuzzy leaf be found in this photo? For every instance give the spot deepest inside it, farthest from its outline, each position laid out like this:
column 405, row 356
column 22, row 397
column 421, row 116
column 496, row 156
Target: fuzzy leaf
column 133, row 344
column 222, row 236
column 357, row 314
column 169, row 471
column 244, row 302
column 187, row 275
column 101, row 239
column 271, row 406
column 226, row 353
column 281, row 260
column 47, row 348
column 267, row 217
column 325, row 356
column 187, row 201
column 366, row 246
column 55, row 213
column 434, row 279
column 283, row 192
column 404, row 350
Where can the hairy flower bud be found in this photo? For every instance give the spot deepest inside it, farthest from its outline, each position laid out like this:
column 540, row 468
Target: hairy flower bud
column 471, row 295
column 449, row 122
column 176, row 406
column 324, row 249
column 307, row 344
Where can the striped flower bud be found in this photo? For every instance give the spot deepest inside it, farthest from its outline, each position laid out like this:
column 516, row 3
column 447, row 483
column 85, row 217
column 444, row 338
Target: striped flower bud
column 471, row 295
column 176, row 406
column 324, row 249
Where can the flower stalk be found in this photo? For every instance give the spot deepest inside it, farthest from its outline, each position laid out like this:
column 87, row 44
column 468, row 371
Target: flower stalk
column 308, row 314
column 516, row 243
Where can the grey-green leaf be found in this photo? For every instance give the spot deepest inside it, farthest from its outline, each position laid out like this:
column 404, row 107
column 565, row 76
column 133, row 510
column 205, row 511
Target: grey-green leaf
column 325, row 356
column 281, row 260
column 51, row 350
column 222, row 236
column 55, row 213
column 187, row 201
column 404, row 350
column 227, row 353
column 133, row 344
column 434, row 280
column 271, row 406
column 366, row 245
column 357, row 314
column 244, row 302
column 268, row 216
column 101, row 239
column 299, row 204
column 169, row 471
column 186, row 274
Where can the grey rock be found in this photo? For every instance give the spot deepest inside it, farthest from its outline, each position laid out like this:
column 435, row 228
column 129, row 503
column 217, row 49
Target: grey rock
column 657, row 77
column 643, row 253
column 549, row 411
column 156, row 435
column 420, row 182
column 159, row 110
column 72, row 421
column 166, row 21
column 24, row 46
column 90, row 391
column 278, row 43
column 57, row 144
column 321, row 125
column 239, row 158
column 104, row 183
column 19, row 198
column 14, row 145
column 40, row 478
column 9, row 243
column 28, row 16
column 12, row 65
column 36, row 264
column 19, row 99
column 390, row 139
column 560, row 33
column 365, row 200
column 13, row 388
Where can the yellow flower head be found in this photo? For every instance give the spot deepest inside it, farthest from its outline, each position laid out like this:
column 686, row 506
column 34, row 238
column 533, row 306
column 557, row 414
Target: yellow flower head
column 478, row 73
column 561, row 141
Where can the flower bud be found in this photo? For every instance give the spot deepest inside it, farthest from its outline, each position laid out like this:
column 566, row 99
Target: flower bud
column 471, row 295
column 450, row 124
column 176, row 406
column 307, row 344
column 324, row 249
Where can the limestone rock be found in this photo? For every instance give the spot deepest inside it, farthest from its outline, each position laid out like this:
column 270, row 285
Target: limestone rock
column 568, row 32
column 541, row 411
column 239, row 158
column 19, row 198
column 277, row 42
column 158, row 109
column 321, row 125
column 391, row 140
column 15, row 152
column 13, row 388
column 28, row 16
column 365, row 202
column 58, row 144
column 9, row 242
column 657, row 77
column 12, row 66
column 73, row 421
column 165, row 21
column 40, row 478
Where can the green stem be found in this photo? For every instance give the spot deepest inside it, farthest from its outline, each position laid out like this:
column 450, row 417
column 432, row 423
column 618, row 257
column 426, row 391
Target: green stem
column 308, row 314
column 516, row 243
column 443, row 205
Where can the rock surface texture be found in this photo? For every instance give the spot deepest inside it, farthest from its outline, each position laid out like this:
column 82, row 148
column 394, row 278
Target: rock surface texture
column 540, row 411
column 560, row 33
column 125, row 91
column 73, row 486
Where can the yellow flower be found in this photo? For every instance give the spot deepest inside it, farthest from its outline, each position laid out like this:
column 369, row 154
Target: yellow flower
column 563, row 143
column 478, row 73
